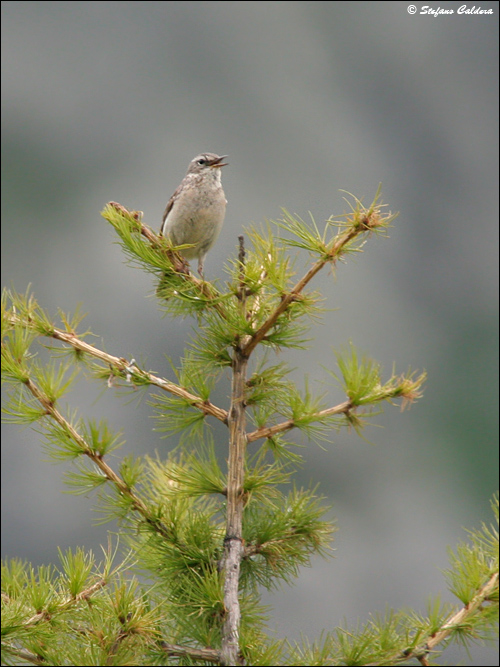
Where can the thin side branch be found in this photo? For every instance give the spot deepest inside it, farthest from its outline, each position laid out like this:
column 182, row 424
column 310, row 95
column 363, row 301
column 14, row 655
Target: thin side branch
column 179, row 265
column 421, row 652
column 125, row 367
column 484, row 594
column 136, row 503
column 271, row 431
column 84, row 595
column 287, row 299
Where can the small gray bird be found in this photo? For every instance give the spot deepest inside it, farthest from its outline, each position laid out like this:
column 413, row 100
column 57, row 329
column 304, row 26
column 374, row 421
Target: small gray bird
column 195, row 212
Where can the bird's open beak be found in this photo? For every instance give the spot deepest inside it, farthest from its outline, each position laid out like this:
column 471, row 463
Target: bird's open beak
column 218, row 162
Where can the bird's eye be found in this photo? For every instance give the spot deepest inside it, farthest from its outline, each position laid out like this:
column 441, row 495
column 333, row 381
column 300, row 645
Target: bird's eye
column 202, row 161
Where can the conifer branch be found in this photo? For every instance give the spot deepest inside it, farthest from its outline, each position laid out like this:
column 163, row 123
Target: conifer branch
column 69, row 602
column 129, row 369
column 84, row 595
column 453, row 623
column 176, row 263
column 362, row 222
column 136, row 503
column 271, row 431
column 485, row 594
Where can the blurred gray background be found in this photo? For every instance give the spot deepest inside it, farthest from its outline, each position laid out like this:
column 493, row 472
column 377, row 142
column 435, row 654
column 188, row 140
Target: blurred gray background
column 111, row 100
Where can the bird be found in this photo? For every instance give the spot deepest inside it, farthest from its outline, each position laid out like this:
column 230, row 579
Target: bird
column 195, row 212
